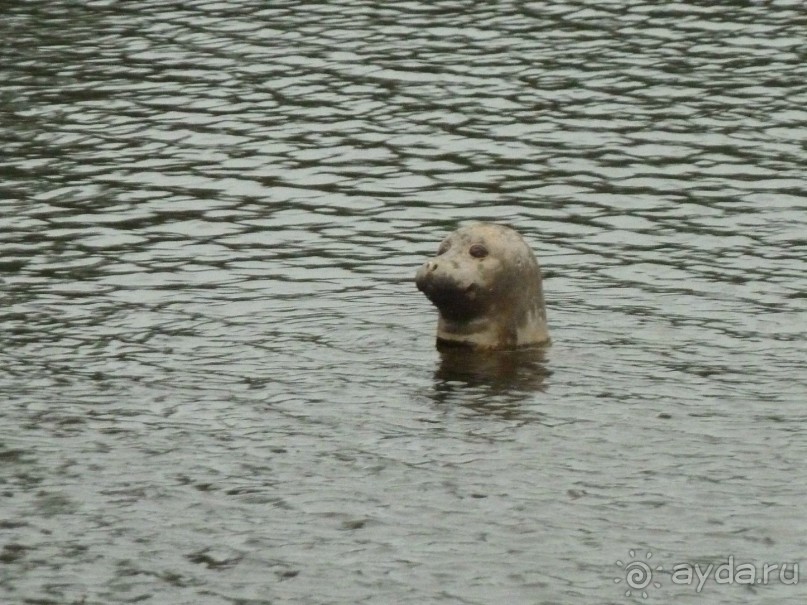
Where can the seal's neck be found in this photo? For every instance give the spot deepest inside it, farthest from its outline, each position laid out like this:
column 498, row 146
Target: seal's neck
column 496, row 330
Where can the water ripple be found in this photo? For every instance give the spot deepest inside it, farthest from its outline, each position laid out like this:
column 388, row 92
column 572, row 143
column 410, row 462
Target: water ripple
column 222, row 381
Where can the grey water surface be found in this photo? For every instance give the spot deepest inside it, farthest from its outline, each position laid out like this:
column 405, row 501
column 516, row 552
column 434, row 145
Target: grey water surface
column 219, row 385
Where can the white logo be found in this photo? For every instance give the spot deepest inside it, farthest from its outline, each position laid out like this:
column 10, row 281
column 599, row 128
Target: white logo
column 638, row 574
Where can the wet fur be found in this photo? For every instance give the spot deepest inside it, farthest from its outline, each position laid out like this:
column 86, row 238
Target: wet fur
column 495, row 302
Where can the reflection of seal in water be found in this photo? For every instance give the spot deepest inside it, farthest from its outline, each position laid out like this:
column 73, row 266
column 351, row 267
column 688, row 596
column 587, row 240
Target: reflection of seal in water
column 499, row 377
column 486, row 284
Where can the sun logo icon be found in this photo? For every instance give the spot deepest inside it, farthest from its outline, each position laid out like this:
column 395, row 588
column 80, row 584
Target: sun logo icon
column 638, row 574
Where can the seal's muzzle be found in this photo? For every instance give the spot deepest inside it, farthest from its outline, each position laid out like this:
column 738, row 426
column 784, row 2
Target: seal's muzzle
column 455, row 300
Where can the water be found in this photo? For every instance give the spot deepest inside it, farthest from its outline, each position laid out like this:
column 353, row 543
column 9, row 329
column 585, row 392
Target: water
column 219, row 381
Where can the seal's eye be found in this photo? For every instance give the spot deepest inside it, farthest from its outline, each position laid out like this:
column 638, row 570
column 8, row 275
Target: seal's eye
column 478, row 251
column 443, row 248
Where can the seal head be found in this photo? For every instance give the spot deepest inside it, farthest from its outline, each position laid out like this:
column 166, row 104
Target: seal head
column 487, row 286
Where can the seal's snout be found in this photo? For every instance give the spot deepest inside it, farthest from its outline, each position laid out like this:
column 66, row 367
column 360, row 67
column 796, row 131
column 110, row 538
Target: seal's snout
column 424, row 275
column 436, row 284
column 453, row 298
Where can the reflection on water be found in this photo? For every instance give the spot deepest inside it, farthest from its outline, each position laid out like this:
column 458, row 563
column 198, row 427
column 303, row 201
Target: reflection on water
column 522, row 370
column 490, row 382
column 220, row 385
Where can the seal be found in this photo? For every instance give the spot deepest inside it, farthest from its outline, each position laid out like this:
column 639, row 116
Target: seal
column 487, row 286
